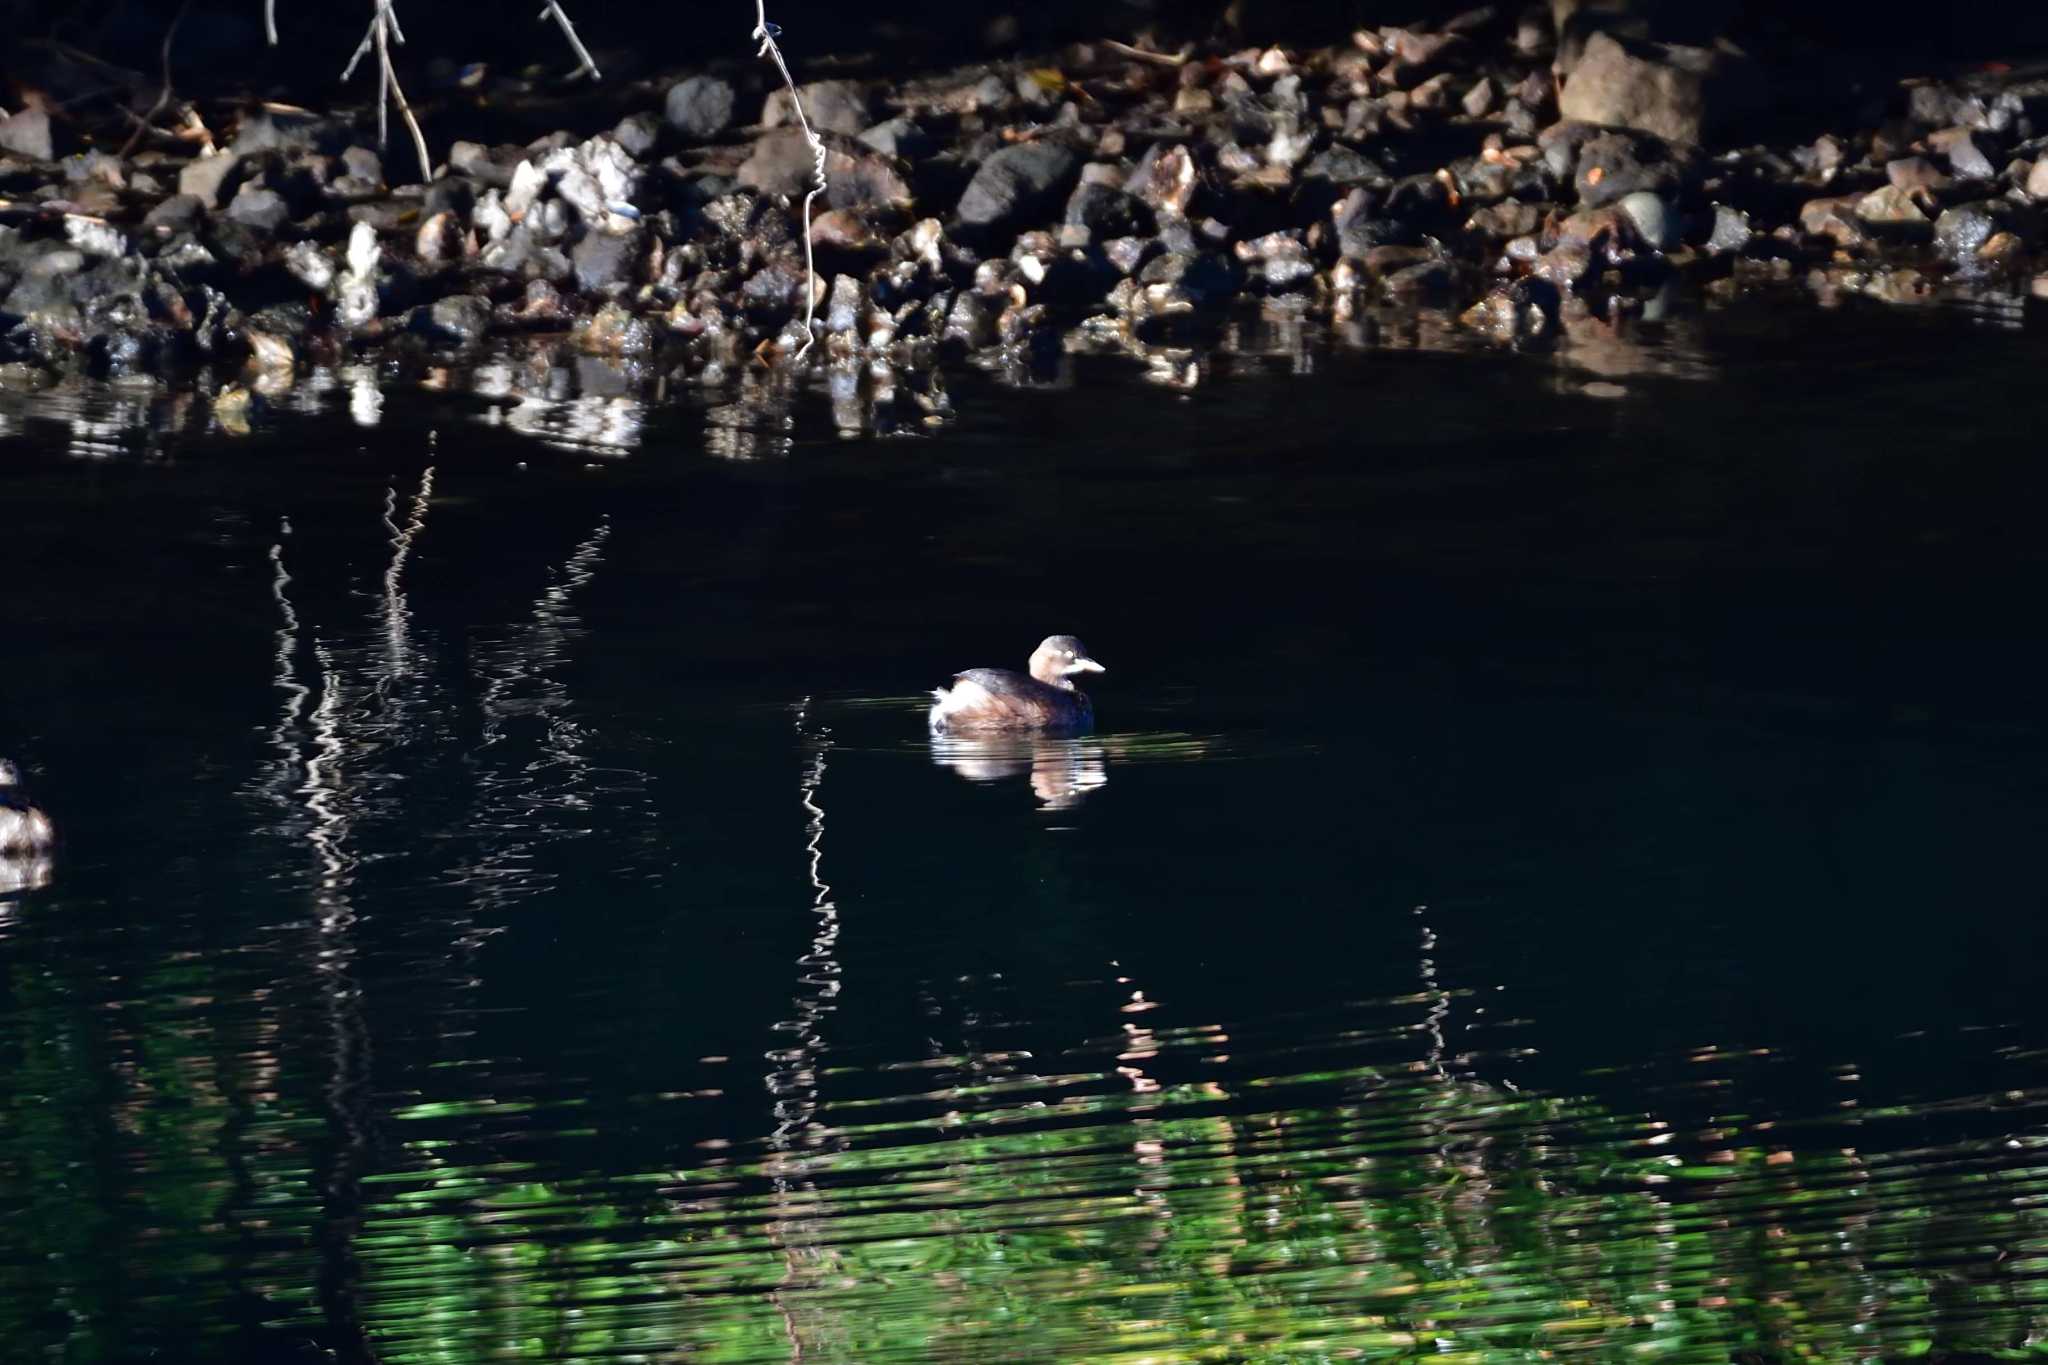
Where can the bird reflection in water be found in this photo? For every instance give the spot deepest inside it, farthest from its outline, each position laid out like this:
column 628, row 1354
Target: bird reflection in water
column 1061, row 771
column 20, row 872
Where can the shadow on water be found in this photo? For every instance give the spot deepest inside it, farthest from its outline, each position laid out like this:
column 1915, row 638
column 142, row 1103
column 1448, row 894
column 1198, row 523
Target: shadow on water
column 1555, row 879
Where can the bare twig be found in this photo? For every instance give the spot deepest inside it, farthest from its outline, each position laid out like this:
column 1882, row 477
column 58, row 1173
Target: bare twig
column 766, row 33
column 270, row 21
column 383, row 32
column 1140, row 54
column 163, row 96
column 555, row 11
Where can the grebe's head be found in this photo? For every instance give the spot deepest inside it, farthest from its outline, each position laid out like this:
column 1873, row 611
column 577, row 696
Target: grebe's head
column 1059, row 658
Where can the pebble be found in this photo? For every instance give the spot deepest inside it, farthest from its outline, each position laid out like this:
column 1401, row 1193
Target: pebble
column 27, row 132
column 999, row 205
column 699, row 108
column 1015, row 182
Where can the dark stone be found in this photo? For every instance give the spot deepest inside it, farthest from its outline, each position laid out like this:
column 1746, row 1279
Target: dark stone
column 1343, row 167
column 492, row 166
column 1731, row 231
column 1279, row 262
column 208, row 177
column 1499, row 222
column 257, row 207
column 1937, row 106
column 699, row 108
column 1915, row 173
column 1206, row 278
column 278, row 130
column 184, row 256
column 971, row 322
column 1424, row 279
column 111, row 355
column 1075, row 278
column 462, row 320
column 355, row 189
column 1655, row 221
column 1673, row 91
column 899, row 137
column 637, row 134
column 27, row 132
column 180, row 212
column 1613, row 165
column 1107, row 212
column 1129, row 254
column 1965, row 158
column 387, row 216
column 1178, row 234
column 605, row 262
column 782, row 163
column 845, row 237
column 363, row 164
column 1960, row 231
column 450, row 194
column 1515, row 313
column 109, row 294
column 1833, row 218
column 1422, row 203
column 540, row 307
column 1566, row 265
column 830, row 106
column 612, row 331
column 864, row 181
column 1165, row 178
column 1362, row 225
column 1017, row 181
column 771, row 294
column 45, row 288
column 288, row 322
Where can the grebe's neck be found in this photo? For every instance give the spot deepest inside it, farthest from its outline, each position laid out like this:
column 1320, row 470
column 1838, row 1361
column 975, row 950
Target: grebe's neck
column 1046, row 669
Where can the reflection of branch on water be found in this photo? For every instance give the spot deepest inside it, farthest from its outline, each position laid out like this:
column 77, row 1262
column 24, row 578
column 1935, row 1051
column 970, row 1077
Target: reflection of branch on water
column 1439, row 999
column 1062, row 771
column 793, row 1083
column 357, row 709
column 517, row 681
column 327, row 801
column 317, row 752
column 295, row 692
column 397, row 619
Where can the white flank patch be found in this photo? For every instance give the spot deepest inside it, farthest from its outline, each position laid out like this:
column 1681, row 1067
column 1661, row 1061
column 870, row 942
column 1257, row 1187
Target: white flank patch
column 963, row 696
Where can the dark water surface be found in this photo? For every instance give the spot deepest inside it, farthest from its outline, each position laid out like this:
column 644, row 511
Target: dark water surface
column 1560, row 876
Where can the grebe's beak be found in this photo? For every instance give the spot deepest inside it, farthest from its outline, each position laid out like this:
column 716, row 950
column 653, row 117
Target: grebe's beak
column 1085, row 666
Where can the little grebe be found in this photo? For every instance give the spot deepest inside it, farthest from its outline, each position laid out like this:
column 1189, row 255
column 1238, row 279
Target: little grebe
column 23, row 828
column 983, row 699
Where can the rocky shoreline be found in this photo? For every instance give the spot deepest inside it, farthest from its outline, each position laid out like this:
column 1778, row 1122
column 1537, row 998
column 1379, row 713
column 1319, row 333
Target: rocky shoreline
column 1516, row 185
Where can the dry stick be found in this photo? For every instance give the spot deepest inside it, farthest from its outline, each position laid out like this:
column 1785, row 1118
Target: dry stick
column 383, row 31
column 766, row 32
column 163, row 96
column 555, row 11
column 270, row 21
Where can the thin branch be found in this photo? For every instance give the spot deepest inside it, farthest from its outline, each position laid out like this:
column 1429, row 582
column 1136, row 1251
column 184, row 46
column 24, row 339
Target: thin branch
column 270, row 21
column 384, row 31
column 766, row 33
column 163, row 96
column 555, row 11
column 1140, row 54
